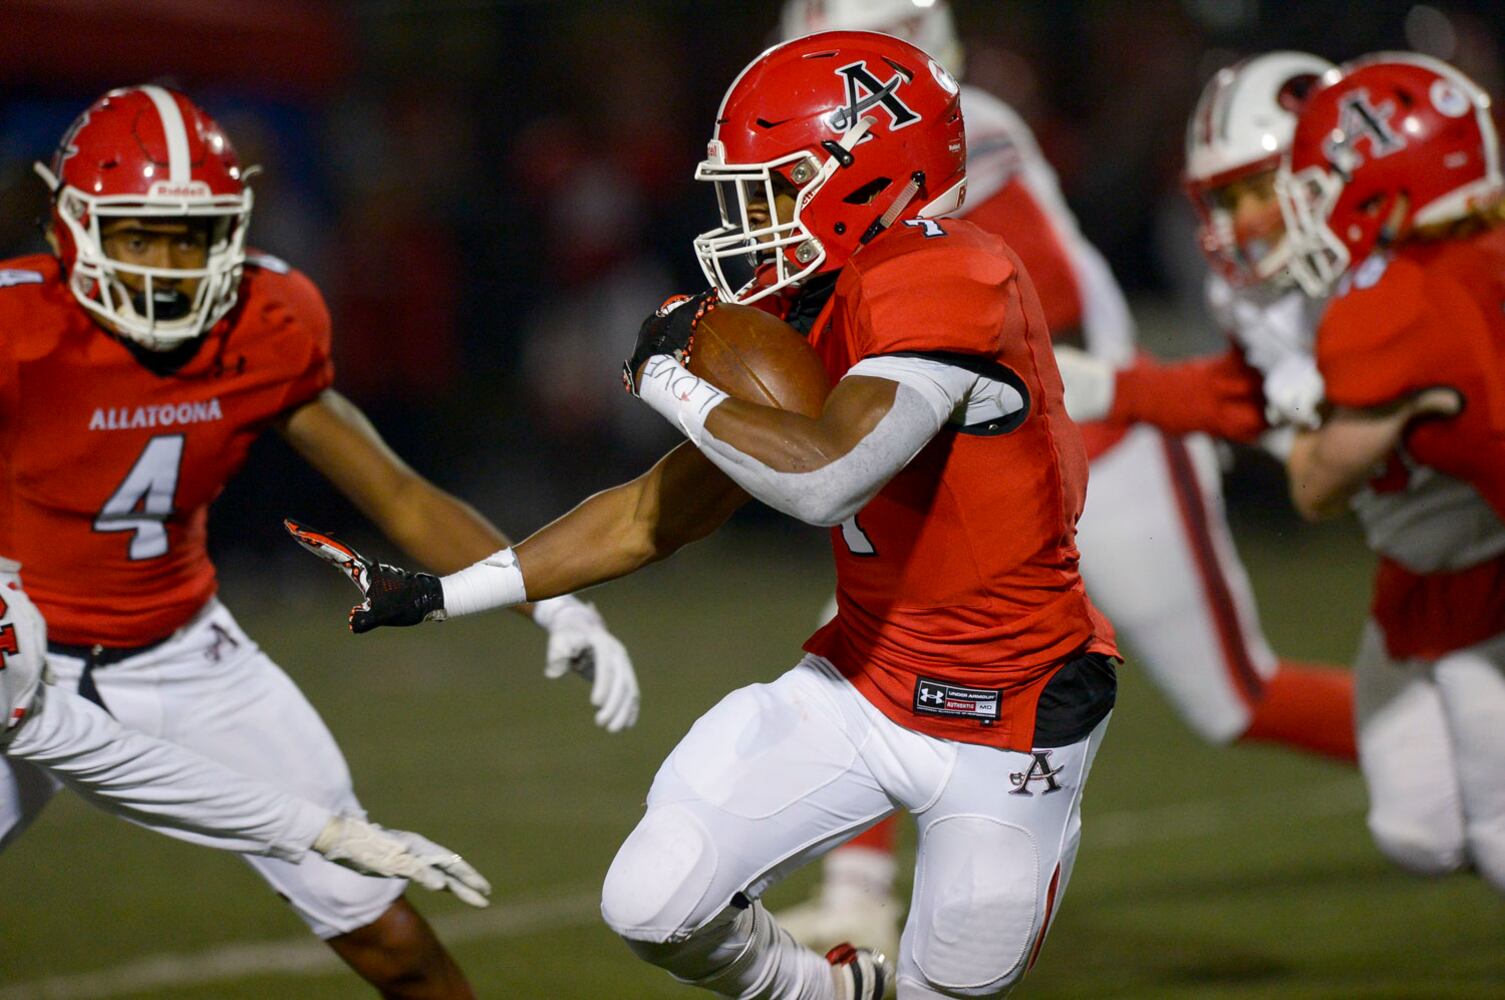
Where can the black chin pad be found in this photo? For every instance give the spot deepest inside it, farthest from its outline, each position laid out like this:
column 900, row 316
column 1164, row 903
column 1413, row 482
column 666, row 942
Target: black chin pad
column 167, row 304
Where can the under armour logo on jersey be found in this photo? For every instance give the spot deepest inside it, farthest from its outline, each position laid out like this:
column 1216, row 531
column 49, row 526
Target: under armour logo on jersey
column 1039, row 770
column 865, row 92
column 936, row 697
column 1360, row 118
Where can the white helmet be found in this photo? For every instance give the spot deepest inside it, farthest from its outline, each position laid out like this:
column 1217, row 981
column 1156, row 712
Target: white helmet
column 926, row 24
column 1242, row 125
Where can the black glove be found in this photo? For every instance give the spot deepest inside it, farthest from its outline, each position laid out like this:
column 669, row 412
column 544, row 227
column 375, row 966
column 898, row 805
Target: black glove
column 394, row 596
column 670, row 330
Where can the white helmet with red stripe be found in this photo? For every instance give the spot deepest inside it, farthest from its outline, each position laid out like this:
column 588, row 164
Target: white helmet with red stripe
column 148, row 153
column 1242, row 125
column 926, row 24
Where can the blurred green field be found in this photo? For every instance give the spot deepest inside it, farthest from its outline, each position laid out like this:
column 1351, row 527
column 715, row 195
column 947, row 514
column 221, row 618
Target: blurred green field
column 1204, row 873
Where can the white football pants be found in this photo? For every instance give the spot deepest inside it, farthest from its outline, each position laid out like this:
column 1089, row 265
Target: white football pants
column 1432, row 749
column 1159, row 562
column 776, row 775
column 210, row 688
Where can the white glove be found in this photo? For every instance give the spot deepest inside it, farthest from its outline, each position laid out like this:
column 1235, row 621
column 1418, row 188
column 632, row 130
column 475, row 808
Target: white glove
column 1089, row 384
column 373, row 850
column 1294, row 391
column 580, row 643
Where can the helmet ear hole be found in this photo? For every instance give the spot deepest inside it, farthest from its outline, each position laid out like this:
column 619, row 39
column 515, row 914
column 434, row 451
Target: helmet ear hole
column 867, row 192
column 1293, row 93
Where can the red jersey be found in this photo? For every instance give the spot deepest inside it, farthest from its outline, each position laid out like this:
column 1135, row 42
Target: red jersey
column 109, row 469
column 1430, row 314
column 1012, row 192
column 959, row 579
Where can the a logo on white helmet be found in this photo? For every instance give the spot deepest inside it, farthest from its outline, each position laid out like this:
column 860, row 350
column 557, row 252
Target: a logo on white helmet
column 1360, row 118
column 1448, row 99
column 180, row 189
column 865, row 92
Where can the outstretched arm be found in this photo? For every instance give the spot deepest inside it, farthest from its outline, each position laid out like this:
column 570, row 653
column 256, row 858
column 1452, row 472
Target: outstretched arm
column 1329, row 465
column 446, row 534
column 173, row 790
column 433, row 527
column 682, row 499
column 1219, row 394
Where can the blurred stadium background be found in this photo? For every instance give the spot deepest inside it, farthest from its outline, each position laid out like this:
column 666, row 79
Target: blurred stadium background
column 486, row 190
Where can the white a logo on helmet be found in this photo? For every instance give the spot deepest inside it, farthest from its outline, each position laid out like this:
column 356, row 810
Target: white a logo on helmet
column 865, row 92
column 1360, row 118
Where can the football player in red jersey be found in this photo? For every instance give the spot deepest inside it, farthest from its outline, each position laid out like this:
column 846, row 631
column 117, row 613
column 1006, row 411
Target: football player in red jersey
column 138, row 365
column 1158, row 556
column 1393, row 198
column 1390, row 210
column 966, row 678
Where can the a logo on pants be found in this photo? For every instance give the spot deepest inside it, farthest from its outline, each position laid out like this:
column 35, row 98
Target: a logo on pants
column 1039, row 770
column 934, row 697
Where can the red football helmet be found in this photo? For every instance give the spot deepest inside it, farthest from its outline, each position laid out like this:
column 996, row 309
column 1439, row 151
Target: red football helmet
column 1394, row 124
column 148, row 152
column 865, row 130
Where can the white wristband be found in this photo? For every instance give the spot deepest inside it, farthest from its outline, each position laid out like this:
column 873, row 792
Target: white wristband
column 680, row 397
column 494, row 582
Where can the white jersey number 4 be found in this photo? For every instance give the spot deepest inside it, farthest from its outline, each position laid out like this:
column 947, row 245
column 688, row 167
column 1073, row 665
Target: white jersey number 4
column 143, row 502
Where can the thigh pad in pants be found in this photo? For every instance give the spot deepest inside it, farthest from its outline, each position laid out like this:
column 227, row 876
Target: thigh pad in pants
column 977, row 891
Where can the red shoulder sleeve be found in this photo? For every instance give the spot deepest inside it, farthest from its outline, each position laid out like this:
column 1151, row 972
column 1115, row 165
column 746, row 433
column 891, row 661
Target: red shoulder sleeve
column 1221, row 395
column 296, row 309
column 1371, row 343
column 1014, row 214
column 941, row 294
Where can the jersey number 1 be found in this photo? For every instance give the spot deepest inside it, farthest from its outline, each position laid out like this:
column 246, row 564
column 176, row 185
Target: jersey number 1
column 857, row 541
column 143, row 502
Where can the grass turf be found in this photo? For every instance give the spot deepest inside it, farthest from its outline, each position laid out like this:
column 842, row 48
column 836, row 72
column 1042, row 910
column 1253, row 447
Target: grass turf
column 1204, row 873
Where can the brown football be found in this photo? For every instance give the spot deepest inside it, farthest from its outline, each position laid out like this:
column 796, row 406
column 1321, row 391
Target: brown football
column 754, row 356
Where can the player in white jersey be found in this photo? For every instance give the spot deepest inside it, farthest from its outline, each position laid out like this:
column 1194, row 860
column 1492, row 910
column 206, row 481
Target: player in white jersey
column 1157, row 555
column 174, row 791
column 1268, row 383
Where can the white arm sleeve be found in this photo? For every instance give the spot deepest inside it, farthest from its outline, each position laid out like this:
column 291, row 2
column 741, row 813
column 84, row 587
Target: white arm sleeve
column 930, row 393
column 159, row 785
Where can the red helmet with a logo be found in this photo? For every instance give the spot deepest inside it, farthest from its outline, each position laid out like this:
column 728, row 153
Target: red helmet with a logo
column 148, row 153
column 1394, row 126
column 853, row 131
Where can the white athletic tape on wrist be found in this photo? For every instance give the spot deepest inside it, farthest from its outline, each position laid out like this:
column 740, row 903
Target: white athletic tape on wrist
column 494, row 582
column 680, row 397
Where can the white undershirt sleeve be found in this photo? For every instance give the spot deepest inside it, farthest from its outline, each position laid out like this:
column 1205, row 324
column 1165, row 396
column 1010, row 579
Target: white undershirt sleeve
column 160, row 785
column 930, row 394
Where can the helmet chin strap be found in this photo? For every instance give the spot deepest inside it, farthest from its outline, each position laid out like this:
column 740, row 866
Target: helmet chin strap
column 899, row 204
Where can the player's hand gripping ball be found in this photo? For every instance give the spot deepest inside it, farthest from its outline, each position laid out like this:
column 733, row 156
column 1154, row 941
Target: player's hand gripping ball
column 670, row 330
column 755, row 356
column 393, row 595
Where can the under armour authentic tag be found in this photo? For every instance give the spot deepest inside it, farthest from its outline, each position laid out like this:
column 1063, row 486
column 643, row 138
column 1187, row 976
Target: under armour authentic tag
column 934, row 697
